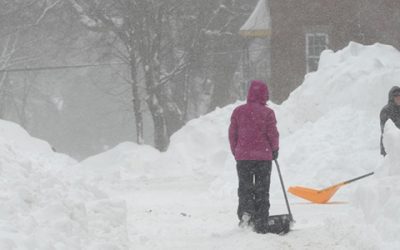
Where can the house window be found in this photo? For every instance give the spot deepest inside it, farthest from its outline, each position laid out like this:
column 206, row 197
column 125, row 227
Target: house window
column 315, row 44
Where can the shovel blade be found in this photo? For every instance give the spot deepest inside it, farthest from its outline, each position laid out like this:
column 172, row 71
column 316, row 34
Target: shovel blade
column 313, row 195
column 322, row 196
column 279, row 224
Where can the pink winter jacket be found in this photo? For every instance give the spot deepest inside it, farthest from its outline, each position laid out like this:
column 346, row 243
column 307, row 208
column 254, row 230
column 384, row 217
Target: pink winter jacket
column 252, row 133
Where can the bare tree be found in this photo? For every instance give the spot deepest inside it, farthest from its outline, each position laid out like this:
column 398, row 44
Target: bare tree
column 19, row 23
column 142, row 28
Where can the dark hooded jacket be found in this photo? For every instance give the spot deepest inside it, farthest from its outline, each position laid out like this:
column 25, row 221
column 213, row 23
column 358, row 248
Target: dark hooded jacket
column 253, row 134
column 390, row 111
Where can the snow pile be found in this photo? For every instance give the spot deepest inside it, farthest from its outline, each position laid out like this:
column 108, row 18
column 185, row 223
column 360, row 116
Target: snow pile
column 358, row 77
column 127, row 161
column 330, row 124
column 202, row 144
column 40, row 208
column 330, row 133
column 380, row 199
column 199, row 148
column 14, row 136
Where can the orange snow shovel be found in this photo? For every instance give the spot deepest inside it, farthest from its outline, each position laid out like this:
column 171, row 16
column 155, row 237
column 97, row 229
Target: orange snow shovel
column 321, row 196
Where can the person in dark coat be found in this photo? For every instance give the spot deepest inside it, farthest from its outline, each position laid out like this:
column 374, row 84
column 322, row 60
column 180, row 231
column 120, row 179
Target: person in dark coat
column 390, row 111
column 254, row 142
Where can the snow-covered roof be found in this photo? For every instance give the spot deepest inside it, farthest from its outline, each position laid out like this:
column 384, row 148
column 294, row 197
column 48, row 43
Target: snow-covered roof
column 259, row 22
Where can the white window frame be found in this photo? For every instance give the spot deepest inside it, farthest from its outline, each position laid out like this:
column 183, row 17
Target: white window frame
column 308, row 56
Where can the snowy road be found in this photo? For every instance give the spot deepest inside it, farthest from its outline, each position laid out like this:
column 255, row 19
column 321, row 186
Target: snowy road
column 181, row 213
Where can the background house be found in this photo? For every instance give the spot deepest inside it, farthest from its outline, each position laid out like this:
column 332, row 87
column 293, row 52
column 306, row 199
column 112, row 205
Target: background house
column 299, row 30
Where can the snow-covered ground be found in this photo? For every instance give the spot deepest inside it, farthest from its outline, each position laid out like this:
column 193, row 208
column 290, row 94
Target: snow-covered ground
column 134, row 197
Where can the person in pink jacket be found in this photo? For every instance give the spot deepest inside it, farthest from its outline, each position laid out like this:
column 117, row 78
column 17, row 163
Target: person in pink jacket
column 254, row 142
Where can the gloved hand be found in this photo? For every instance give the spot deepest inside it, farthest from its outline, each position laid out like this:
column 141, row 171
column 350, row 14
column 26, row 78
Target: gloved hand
column 275, row 154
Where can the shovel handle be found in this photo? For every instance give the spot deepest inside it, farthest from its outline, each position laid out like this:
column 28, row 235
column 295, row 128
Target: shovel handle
column 357, row 178
column 284, row 190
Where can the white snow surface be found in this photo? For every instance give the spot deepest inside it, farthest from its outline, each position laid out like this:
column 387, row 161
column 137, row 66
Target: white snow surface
column 134, row 197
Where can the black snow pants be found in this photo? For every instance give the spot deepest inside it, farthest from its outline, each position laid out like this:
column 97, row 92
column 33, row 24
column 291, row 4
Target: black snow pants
column 254, row 183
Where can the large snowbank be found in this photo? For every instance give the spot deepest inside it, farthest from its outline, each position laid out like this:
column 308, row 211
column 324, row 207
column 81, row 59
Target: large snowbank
column 357, row 76
column 41, row 208
column 330, row 128
column 29, row 190
column 333, row 117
